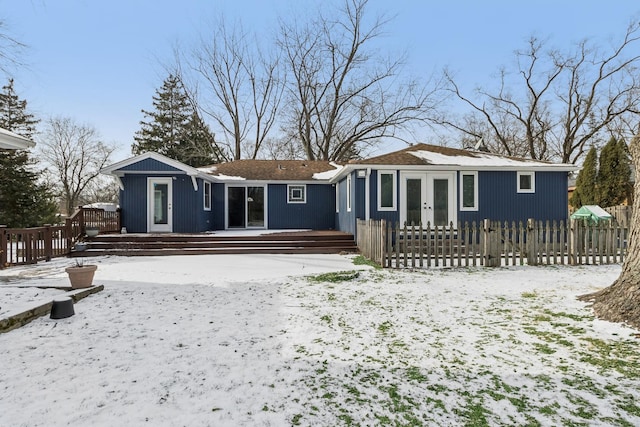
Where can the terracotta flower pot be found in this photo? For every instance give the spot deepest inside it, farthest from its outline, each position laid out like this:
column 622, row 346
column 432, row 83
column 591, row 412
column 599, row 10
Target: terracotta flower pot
column 81, row 277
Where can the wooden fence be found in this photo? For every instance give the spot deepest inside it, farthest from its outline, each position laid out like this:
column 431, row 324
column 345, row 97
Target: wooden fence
column 491, row 244
column 30, row 245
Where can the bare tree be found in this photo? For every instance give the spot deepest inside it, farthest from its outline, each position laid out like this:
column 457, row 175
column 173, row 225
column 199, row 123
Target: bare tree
column 620, row 302
column 241, row 88
column 556, row 104
column 76, row 155
column 342, row 95
column 10, row 50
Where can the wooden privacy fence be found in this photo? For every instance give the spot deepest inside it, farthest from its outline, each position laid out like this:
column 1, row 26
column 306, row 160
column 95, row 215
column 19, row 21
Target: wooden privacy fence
column 490, row 244
column 30, row 245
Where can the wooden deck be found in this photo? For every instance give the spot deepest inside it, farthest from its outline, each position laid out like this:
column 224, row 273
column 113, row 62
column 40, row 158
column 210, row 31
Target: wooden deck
column 285, row 242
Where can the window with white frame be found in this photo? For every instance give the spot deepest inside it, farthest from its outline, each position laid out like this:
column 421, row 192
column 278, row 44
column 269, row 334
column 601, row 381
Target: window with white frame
column 297, row 193
column 387, row 190
column 526, row 182
column 349, row 193
column 469, row 191
column 207, row 196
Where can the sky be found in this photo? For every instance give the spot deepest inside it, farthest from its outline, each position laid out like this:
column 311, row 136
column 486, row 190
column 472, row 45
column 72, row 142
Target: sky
column 100, row 62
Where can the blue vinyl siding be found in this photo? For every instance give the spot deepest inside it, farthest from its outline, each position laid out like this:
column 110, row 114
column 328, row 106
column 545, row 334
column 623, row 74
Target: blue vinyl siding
column 188, row 213
column 346, row 221
column 217, row 207
column 147, row 165
column 392, row 216
column 316, row 214
column 133, row 203
column 499, row 200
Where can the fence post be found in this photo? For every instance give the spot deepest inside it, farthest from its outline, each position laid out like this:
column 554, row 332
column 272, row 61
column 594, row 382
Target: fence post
column 491, row 246
column 48, row 242
column 532, row 242
column 4, row 243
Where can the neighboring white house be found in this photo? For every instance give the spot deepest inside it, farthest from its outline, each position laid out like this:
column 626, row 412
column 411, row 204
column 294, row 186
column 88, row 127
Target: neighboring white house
column 13, row 141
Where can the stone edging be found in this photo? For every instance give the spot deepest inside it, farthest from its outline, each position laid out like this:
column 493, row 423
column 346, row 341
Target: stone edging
column 15, row 320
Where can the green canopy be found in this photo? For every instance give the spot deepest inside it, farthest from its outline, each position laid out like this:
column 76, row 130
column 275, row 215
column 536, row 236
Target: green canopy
column 594, row 214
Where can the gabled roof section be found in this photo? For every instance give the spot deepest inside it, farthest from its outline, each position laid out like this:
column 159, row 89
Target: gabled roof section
column 434, row 155
column 13, row 141
column 159, row 165
column 129, row 164
column 274, row 170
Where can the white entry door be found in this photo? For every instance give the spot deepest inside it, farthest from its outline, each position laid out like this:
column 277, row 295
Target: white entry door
column 159, row 205
column 427, row 197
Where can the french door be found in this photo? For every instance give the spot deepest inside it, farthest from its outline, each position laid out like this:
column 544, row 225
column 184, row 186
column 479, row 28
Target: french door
column 428, row 197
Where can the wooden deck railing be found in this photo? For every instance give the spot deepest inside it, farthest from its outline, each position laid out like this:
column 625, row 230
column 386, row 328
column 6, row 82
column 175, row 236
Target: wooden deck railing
column 491, row 244
column 30, row 245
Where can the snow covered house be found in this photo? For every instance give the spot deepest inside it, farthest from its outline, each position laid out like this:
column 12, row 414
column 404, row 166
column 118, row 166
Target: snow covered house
column 421, row 183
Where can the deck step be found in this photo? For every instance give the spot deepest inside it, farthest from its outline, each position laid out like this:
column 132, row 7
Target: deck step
column 200, row 244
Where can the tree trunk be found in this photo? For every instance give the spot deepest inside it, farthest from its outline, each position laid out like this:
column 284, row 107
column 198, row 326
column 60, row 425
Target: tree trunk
column 620, row 302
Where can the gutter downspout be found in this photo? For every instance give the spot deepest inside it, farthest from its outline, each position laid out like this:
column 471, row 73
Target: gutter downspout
column 367, row 196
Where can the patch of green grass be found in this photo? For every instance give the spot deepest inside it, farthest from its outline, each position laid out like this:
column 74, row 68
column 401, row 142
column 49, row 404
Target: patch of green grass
column 336, row 276
column 414, row 374
column 326, row 318
column 529, row 295
column 384, row 327
column 362, row 260
column 295, row 420
column 544, row 348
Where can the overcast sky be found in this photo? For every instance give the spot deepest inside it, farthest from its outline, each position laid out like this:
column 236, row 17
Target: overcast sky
column 100, row 62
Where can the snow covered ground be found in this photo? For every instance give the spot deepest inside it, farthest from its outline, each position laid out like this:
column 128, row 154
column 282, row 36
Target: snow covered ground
column 269, row 340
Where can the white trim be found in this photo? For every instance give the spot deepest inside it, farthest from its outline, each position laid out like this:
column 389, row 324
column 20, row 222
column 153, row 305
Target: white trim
column 532, row 174
column 114, row 169
column 303, row 189
column 206, row 191
column 13, row 141
column 394, row 192
column 475, row 191
column 160, row 228
column 337, row 187
column 349, row 193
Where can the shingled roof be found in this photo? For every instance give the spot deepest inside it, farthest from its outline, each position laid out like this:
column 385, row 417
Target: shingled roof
column 425, row 154
column 272, row 170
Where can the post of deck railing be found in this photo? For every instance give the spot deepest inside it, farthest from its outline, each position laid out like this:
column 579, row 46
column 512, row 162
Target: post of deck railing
column 4, row 246
column 48, row 242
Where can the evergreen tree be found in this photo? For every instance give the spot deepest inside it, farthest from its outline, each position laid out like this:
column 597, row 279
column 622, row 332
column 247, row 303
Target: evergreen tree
column 614, row 174
column 24, row 202
column 175, row 129
column 586, row 183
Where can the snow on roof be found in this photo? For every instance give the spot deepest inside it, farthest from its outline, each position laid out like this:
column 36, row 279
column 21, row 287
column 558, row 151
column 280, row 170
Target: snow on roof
column 328, row 174
column 13, row 141
column 476, row 160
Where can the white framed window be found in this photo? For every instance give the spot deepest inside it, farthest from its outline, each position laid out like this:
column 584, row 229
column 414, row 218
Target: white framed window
column 349, row 193
column 526, row 182
column 206, row 196
column 297, row 193
column 468, row 191
column 387, row 191
column 338, row 197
